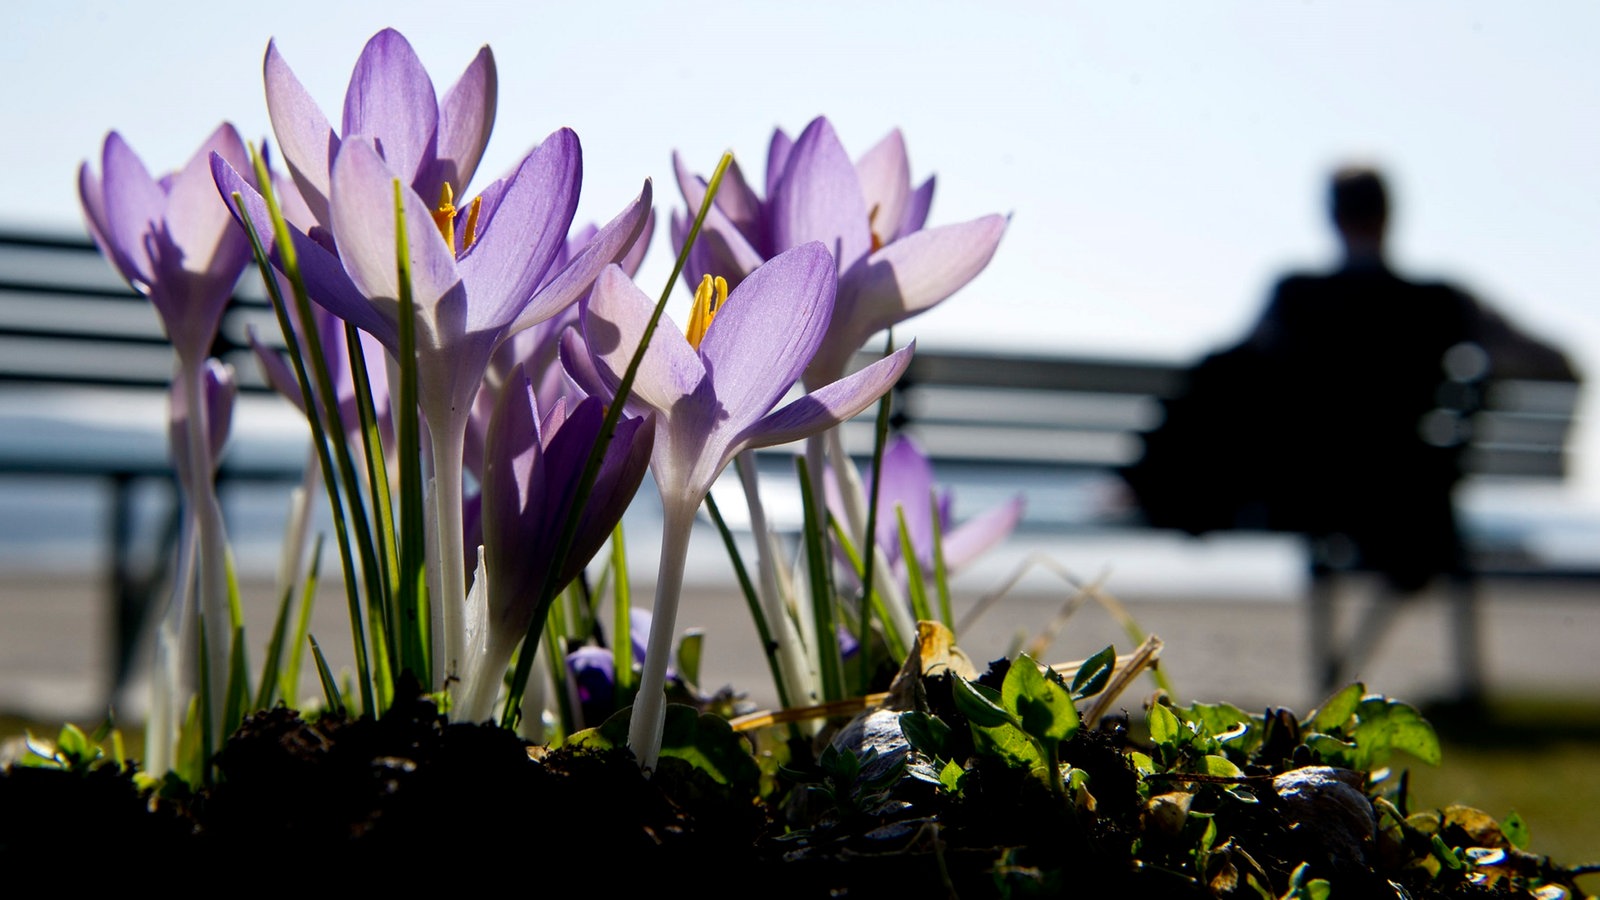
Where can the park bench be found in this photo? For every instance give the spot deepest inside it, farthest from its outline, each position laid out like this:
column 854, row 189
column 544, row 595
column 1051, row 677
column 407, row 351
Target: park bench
column 72, row 331
column 67, row 322
column 1078, row 415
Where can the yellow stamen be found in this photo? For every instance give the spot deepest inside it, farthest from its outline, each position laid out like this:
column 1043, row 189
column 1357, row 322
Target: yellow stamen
column 708, row 300
column 445, row 216
column 471, row 233
column 872, row 229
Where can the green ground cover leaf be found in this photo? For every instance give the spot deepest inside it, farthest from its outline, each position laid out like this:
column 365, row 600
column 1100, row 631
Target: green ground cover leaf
column 1040, row 703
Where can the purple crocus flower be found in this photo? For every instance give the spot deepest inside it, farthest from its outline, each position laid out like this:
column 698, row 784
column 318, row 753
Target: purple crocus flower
column 592, row 672
column 482, row 281
column 470, row 292
column 866, row 213
column 329, row 329
column 174, row 241
column 218, row 388
column 171, row 238
column 428, row 143
column 537, row 349
column 908, row 485
column 530, row 480
column 714, row 394
column 592, row 677
column 471, row 289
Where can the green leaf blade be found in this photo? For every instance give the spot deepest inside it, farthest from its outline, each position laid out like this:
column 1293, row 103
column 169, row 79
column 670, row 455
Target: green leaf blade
column 1095, row 673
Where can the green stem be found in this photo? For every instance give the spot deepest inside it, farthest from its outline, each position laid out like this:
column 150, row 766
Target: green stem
column 830, row 669
column 324, row 435
column 622, row 614
column 869, row 534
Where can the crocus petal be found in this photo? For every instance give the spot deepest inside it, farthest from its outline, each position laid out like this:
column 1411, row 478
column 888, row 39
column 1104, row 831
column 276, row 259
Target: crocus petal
column 639, row 622
column 593, row 674
column 614, row 319
column 364, row 227
column 778, row 150
column 610, row 245
column 690, row 185
column 916, row 214
column 622, row 470
column 971, row 538
column 326, row 280
column 528, row 229
column 907, row 481
column 634, row 258
column 218, row 389
column 305, row 138
column 488, row 203
column 730, row 244
column 134, row 204
column 200, row 228
column 291, row 202
column 719, row 250
column 921, row 269
column 885, row 175
column 899, row 281
column 768, row 330
column 466, row 116
column 739, row 205
column 222, row 389
column 530, row 482
column 819, row 198
column 391, row 98
column 513, row 504
column 577, row 239
column 93, row 201
column 566, row 454
column 829, row 405
column 580, row 367
column 276, row 371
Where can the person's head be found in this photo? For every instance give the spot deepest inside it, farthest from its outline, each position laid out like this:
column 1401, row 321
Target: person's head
column 1359, row 205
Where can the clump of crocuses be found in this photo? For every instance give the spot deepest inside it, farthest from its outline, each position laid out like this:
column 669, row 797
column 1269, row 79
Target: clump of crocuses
column 485, row 385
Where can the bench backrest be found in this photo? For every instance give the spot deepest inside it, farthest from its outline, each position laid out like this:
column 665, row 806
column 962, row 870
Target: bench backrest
column 1089, row 413
column 70, row 326
column 66, row 318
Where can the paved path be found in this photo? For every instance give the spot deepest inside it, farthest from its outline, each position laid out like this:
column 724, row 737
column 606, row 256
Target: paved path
column 1538, row 638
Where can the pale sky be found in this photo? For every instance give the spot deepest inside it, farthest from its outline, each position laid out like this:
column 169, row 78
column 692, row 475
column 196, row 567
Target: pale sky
column 1161, row 164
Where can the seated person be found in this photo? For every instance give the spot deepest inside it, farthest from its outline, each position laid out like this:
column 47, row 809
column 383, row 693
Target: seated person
column 1343, row 414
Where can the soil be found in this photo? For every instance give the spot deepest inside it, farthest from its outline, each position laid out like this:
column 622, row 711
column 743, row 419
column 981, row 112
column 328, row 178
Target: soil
column 410, row 795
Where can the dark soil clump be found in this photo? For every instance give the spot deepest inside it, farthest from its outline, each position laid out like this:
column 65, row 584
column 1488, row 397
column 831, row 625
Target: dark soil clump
column 410, row 793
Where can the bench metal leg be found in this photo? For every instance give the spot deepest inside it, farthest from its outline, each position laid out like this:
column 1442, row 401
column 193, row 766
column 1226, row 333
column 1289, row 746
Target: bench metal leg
column 126, row 611
column 1463, row 588
column 1324, row 642
column 1375, row 623
column 131, row 592
column 1335, row 661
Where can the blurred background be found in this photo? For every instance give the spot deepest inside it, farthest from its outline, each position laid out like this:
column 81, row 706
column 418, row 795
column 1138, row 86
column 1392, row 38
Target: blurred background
column 1162, row 166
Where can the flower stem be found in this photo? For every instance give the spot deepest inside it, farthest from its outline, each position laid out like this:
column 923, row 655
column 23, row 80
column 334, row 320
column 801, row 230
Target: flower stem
column 650, row 707
column 796, row 670
column 853, row 493
column 447, row 440
column 211, row 558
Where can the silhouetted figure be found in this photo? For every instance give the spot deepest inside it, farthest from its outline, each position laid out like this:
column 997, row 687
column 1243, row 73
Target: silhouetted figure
column 1343, row 415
